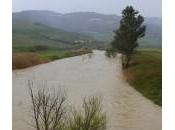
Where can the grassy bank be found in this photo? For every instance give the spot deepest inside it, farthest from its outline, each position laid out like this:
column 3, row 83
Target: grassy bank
column 145, row 74
column 22, row 60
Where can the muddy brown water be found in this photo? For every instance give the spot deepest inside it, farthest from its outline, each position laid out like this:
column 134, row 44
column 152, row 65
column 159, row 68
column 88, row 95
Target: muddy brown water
column 87, row 75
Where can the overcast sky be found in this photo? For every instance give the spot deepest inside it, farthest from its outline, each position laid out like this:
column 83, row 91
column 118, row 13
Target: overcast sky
column 148, row 8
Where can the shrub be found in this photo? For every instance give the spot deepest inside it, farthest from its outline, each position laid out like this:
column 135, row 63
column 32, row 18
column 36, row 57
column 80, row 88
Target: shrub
column 90, row 118
column 41, row 48
column 110, row 52
column 23, row 60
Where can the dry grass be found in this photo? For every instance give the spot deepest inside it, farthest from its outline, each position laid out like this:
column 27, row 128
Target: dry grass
column 24, row 60
column 127, row 75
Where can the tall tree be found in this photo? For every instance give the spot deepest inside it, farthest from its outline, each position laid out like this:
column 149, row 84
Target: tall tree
column 126, row 37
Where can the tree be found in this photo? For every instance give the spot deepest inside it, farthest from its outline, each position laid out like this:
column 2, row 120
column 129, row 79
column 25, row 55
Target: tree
column 126, row 37
column 48, row 109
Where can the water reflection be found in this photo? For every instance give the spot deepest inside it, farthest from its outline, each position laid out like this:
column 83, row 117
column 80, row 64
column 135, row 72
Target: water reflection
column 87, row 56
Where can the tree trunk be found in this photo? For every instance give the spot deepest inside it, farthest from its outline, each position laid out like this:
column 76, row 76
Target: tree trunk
column 128, row 58
column 125, row 61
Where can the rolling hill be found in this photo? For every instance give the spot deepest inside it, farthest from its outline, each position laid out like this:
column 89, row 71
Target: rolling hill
column 30, row 36
column 94, row 25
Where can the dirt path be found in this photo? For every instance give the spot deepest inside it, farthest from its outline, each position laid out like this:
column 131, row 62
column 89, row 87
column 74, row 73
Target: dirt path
column 84, row 76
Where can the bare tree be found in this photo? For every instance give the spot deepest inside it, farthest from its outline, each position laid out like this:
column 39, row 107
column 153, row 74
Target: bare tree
column 48, row 109
column 50, row 113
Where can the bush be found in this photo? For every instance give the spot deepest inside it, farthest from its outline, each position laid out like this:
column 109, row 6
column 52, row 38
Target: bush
column 90, row 118
column 54, row 57
column 23, row 60
column 41, row 48
column 110, row 52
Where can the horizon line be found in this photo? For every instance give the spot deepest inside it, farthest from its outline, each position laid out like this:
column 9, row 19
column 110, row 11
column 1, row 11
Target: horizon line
column 79, row 12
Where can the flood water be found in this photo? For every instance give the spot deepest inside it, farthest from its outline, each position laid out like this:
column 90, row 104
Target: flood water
column 87, row 75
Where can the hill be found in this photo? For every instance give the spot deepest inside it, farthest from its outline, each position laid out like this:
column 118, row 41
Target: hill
column 33, row 36
column 35, row 43
column 98, row 26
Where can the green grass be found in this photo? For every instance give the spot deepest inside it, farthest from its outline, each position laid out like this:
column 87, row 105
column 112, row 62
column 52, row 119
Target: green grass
column 145, row 74
column 51, row 55
column 45, row 44
column 24, row 59
column 26, row 35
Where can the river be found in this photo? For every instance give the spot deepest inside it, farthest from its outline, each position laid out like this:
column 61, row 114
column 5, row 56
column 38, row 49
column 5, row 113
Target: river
column 87, row 75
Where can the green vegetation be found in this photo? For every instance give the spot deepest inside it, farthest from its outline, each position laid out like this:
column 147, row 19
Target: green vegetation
column 110, row 52
column 26, row 59
column 126, row 36
column 37, row 43
column 28, row 36
column 54, row 55
column 143, row 68
column 90, row 117
column 38, row 31
column 145, row 74
column 101, row 30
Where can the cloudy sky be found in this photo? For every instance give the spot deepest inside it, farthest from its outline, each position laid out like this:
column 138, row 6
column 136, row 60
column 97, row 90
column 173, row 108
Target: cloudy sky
column 148, row 8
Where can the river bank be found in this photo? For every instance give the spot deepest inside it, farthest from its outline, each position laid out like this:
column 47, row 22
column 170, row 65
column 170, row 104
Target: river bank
column 145, row 75
column 21, row 60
